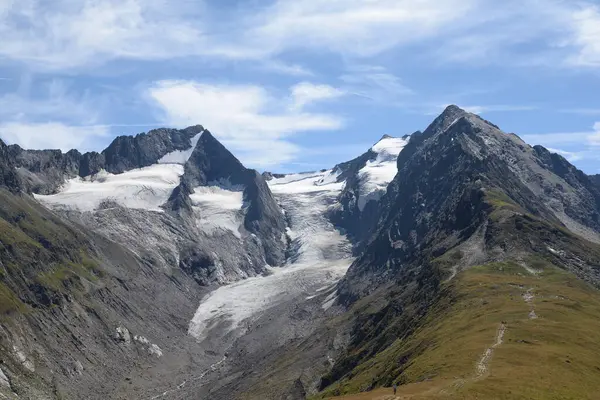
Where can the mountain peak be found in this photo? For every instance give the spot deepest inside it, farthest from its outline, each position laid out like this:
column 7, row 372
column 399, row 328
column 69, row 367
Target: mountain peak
column 453, row 109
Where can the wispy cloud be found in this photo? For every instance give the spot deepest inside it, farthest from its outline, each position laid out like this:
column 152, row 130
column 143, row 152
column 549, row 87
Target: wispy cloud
column 594, row 139
column 55, row 100
column 305, row 93
column 55, row 117
column 582, row 111
column 66, row 34
column 285, row 69
column 554, row 139
column 574, row 146
column 256, row 124
column 586, row 37
column 569, row 155
column 484, row 109
column 375, row 83
column 52, row 135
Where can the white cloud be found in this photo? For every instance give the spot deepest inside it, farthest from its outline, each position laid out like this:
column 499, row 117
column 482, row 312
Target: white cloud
column 52, row 135
column 574, row 146
column 304, row 93
column 255, row 124
column 569, row 155
column 586, row 37
column 56, row 101
column 65, row 34
column 483, row 109
column 582, row 111
column 356, row 27
column 375, row 83
column 594, row 139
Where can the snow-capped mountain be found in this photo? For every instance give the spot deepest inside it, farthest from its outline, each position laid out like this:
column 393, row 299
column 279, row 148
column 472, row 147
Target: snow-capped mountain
column 178, row 198
column 162, row 268
column 365, row 181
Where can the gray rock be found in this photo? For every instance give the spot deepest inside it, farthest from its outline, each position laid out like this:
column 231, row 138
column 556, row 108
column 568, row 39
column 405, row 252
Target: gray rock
column 8, row 176
column 44, row 171
column 4, row 381
column 78, row 368
column 122, row 335
column 129, row 152
column 212, row 164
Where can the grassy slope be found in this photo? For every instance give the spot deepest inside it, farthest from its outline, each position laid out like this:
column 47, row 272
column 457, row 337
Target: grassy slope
column 556, row 356
column 41, row 257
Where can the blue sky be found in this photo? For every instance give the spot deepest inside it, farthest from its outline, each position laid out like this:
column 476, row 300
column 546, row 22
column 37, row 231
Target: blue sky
column 293, row 85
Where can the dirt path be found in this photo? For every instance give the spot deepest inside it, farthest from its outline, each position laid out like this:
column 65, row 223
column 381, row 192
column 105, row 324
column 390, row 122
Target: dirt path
column 529, row 298
column 212, row 368
column 483, row 364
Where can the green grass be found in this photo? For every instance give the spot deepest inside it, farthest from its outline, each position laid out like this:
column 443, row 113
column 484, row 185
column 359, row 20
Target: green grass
column 37, row 247
column 556, row 356
column 59, row 277
column 9, row 302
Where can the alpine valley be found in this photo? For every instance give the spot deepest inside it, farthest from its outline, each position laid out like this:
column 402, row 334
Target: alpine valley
column 458, row 263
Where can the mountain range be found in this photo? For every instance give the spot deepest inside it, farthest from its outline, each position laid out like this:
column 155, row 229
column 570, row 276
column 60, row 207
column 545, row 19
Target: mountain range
column 455, row 262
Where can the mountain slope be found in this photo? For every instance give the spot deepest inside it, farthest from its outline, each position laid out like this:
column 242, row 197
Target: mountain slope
column 366, row 179
column 83, row 316
column 175, row 197
column 466, row 194
column 473, row 256
column 497, row 331
column 212, row 164
column 73, row 304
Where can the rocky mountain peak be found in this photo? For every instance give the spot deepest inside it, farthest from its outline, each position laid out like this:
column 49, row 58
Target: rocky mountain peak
column 212, row 162
column 8, row 176
column 129, row 152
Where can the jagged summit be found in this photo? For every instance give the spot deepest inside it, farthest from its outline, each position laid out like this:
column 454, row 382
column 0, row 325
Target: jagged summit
column 139, row 234
column 8, row 176
column 44, row 171
column 210, row 161
column 128, row 152
column 438, row 198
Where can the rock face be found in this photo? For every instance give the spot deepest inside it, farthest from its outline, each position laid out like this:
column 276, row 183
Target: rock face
column 63, row 291
column 212, row 164
column 466, row 194
column 213, row 242
column 595, row 180
column 4, row 382
column 366, row 178
column 44, row 171
column 129, row 152
column 8, row 176
column 440, row 197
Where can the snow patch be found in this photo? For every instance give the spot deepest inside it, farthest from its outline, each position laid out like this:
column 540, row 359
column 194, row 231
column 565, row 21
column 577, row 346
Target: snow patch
column 218, row 197
column 321, row 257
column 305, row 183
column 377, row 174
column 144, row 188
column 218, row 208
column 330, row 301
column 180, row 156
